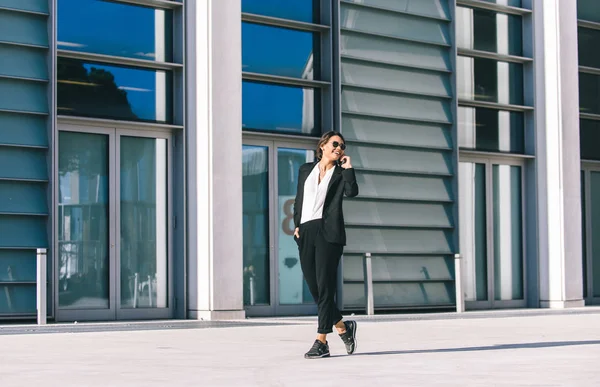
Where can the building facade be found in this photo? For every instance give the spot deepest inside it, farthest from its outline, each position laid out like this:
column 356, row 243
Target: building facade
column 153, row 146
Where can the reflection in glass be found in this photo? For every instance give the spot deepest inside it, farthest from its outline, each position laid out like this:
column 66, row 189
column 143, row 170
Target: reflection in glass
column 473, row 235
column 143, row 239
column 292, row 287
column 589, row 138
column 589, row 93
column 508, row 238
column 587, row 41
column 491, row 130
column 588, row 10
column 111, row 28
column 279, row 51
column 595, row 237
column 83, row 204
column 300, row 10
column 510, row 3
column 479, row 29
column 116, row 92
column 275, row 108
column 255, row 187
column 488, row 80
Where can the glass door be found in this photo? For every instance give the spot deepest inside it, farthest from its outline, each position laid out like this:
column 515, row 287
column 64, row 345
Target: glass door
column 86, row 239
column 491, row 232
column 113, row 225
column 590, row 187
column 273, row 280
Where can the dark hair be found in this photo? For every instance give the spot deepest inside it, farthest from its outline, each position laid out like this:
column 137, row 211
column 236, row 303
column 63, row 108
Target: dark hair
column 324, row 140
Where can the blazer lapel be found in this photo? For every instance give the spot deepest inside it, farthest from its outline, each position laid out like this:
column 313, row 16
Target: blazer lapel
column 337, row 175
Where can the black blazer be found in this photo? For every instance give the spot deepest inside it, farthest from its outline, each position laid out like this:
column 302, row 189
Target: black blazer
column 343, row 181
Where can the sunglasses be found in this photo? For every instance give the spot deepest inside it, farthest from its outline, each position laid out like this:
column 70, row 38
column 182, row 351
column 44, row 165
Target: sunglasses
column 336, row 144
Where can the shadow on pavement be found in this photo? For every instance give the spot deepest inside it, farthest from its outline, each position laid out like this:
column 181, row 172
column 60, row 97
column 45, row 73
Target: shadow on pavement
column 486, row 348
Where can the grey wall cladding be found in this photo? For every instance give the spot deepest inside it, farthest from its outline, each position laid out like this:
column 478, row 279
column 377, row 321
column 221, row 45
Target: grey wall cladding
column 397, row 105
column 24, row 159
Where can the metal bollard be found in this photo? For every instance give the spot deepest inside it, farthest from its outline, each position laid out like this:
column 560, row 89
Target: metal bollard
column 41, row 285
column 368, row 274
column 460, row 297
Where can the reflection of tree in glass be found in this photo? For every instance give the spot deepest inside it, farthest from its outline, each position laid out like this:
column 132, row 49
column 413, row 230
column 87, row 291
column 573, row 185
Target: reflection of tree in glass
column 92, row 93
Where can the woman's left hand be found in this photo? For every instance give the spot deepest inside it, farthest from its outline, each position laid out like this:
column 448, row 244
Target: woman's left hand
column 346, row 164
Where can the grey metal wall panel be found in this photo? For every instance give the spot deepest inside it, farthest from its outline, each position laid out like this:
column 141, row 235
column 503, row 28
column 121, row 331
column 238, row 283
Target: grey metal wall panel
column 26, row 5
column 394, row 51
column 17, row 265
column 23, row 163
column 401, row 106
column 17, row 299
column 19, row 197
column 395, row 132
column 433, row 8
column 404, row 187
column 397, row 214
column 400, row 268
column 26, row 96
column 394, row 78
column 397, row 103
column 25, row 62
column 397, row 25
column 23, row 232
column 23, row 129
column 23, row 28
column 399, row 240
column 400, row 160
column 400, row 295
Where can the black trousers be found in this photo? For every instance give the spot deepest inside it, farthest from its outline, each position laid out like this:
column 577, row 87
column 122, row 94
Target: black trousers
column 319, row 260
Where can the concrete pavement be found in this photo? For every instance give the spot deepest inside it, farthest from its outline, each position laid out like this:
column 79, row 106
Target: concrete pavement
column 529, row 350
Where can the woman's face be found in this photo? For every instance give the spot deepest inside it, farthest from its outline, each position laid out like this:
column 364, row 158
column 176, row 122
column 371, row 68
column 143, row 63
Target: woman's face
column 332, row 150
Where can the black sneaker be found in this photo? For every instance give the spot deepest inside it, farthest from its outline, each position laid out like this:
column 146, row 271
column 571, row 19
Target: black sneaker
column 318, row 350
column 349, row 337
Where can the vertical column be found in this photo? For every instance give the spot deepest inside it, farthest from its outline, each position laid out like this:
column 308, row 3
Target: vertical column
column 557, row 147
column 214, row 163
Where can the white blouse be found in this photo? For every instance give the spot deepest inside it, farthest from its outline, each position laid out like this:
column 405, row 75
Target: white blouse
column 314, row 195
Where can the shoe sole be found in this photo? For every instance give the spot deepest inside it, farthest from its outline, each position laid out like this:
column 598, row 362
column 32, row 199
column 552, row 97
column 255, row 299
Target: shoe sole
column 317, row 357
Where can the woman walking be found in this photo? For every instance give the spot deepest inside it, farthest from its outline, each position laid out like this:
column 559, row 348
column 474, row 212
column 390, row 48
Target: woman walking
column 321, row 236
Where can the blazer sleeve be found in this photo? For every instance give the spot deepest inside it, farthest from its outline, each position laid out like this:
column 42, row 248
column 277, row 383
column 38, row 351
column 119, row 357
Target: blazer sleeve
column 297, row 204
column 350, row 186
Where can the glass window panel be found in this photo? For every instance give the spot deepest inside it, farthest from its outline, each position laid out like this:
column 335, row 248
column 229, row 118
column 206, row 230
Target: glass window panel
column 300, row 10
column 143, row 210
column 489, row 80
column 473, row 230
column 595, row 237
column 276, row 108
column 117, row 92
column 508, row 238
column 280, row 51
column 589, row 93
column 588, row 10
column 479, row 29
column 112, row 28
column 589, row 139
column 588, row 54
column 255, row 194
column 491, row 130
column 292, row 286
column 83, row 229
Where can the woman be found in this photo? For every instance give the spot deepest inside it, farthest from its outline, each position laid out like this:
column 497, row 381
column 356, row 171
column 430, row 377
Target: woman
column 321, row 236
